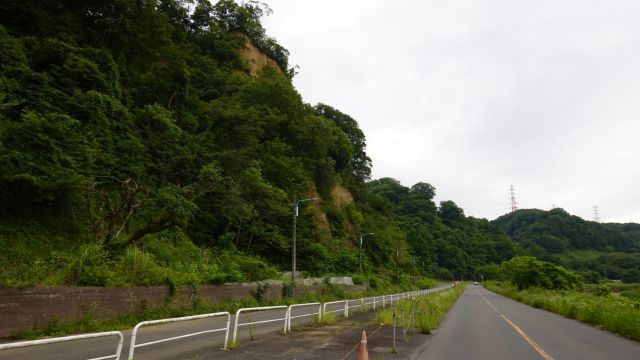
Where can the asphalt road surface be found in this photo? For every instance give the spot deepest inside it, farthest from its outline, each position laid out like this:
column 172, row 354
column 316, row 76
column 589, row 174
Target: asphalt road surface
column 485, row 325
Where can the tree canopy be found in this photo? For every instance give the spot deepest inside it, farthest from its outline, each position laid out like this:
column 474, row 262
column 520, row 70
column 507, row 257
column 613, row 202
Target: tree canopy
column 136, row 136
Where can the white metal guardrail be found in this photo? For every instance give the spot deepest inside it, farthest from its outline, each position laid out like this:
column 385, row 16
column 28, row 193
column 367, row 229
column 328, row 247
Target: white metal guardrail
column 262, row 308
column 359, row 303
column 345, row 309
column 384, row 300
column 115, row 356
column 133, row 344
column 289, row 316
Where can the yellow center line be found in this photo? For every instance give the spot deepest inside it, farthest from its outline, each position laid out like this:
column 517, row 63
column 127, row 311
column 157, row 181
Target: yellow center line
column 526, row 337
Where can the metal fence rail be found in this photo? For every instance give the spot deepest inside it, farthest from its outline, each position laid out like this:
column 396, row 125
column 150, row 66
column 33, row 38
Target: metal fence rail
column 359, row 303
column 115, row 356
column 289, row 316
column 133, row 344
column 262, row 308
column 345, row 309
column 376, row 301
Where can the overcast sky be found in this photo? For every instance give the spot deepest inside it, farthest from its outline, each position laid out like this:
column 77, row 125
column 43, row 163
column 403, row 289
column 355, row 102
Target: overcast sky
column 472, row 96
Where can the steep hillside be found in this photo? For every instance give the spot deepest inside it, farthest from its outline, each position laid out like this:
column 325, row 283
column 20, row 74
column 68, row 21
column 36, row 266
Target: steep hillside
column 146, row 143
column 141, row 137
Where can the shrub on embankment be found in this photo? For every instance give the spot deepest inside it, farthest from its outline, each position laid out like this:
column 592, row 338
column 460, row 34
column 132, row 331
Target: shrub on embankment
column 612, row 312
column 429, row 309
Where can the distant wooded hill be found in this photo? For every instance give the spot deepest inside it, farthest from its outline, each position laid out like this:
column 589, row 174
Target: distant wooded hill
column 609, row 249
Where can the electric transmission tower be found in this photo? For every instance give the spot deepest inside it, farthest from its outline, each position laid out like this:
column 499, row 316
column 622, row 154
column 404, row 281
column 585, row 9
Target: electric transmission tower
column 514, row 204
column 596, row 214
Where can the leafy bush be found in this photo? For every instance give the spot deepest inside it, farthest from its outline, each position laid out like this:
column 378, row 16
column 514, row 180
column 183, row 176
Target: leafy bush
column 140, row 268
column 426, row 283
column 358, row 279
column 89, row 266
column 633, row 294
column 430, row 309
column 601, row 290
column 527, row 271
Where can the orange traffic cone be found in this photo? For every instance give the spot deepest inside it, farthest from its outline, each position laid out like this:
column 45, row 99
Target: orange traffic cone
column 364, row 353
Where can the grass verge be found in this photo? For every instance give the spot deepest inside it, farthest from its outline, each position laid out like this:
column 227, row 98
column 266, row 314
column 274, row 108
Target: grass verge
column 615, row 313
column 430, row 309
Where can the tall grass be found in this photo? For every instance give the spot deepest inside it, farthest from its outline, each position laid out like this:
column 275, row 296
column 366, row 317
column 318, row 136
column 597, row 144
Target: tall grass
column 430, row 309
column 615, row 313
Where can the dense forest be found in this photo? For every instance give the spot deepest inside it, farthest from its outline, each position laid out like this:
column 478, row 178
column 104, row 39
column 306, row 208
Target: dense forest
column 154, row 142
column 596, row 250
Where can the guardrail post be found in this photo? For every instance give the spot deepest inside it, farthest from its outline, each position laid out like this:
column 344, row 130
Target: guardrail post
column 413, row 317
column 235, row 328
column 394, row 329
column 226, row 333
column 132, row 345
column 287, row 320
column 404, row 332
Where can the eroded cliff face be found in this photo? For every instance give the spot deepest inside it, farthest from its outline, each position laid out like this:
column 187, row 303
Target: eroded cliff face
column 341, row 195
column 342, row 198
column 256, row 60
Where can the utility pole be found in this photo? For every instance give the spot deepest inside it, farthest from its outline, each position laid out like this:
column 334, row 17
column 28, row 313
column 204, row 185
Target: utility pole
column 414, row 270
column 360, row 252
column 433, row 267
column 397, row 256
column 514, row 204
column 293, row 241
column 596, row 215
column 296, row 205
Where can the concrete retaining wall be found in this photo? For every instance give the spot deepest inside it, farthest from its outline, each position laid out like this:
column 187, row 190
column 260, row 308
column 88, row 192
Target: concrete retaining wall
column 23, row 309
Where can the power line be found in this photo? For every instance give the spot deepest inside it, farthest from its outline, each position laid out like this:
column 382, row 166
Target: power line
column 514, row 204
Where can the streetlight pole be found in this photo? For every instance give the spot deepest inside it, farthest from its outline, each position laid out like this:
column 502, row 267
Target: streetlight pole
column 432, row 267
column 360, row 252
column 397, row 256
column 296, row 204
column 414, row 270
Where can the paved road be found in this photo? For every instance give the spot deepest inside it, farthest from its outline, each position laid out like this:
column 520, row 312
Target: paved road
column 485, row 325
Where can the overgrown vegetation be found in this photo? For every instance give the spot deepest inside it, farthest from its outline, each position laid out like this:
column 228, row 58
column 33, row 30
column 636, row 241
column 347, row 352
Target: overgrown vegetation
column 429, row 309
column 526, row 271
column 174, row 306
column 598, row 251
column 139, row 146
column 615, row 313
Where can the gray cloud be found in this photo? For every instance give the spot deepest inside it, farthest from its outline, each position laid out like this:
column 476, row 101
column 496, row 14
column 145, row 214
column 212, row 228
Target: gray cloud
column 473, row 96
